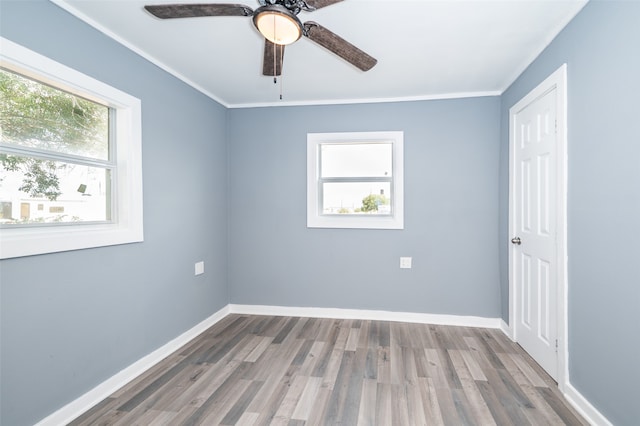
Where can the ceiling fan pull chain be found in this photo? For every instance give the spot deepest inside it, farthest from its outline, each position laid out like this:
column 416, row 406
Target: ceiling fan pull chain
column 281, row 72
column 275, row 71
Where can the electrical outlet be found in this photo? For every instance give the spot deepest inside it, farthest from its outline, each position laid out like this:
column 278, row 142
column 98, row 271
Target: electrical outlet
column 199, row 268
column 405, row 263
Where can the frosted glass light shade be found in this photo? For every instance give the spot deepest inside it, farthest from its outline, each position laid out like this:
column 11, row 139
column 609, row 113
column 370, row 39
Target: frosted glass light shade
column 277, row 24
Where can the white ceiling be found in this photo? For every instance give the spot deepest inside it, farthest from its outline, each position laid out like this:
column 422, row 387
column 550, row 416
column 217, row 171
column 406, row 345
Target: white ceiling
column 425, row 49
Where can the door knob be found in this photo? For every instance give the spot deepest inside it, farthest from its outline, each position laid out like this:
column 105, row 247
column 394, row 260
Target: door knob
column 516, row 241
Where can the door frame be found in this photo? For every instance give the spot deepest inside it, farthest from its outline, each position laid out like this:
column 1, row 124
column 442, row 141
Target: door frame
column 557, row 81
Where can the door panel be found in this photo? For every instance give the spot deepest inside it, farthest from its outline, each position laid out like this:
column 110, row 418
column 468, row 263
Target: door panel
column 525, row 267
column 535, row 216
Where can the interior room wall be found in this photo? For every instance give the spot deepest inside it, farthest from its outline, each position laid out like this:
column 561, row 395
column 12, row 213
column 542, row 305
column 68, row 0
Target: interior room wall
column 451, row 169
column 71, row 320
column 600, row 47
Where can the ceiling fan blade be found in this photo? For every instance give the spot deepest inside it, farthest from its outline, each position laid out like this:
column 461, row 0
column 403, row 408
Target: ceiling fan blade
column 317, row 4
column 339, row 46
column 170, row 11
column 273, row 56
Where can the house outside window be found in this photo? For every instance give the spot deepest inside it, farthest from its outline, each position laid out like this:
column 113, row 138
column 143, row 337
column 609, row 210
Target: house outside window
column 70, row 158
column 355, row 180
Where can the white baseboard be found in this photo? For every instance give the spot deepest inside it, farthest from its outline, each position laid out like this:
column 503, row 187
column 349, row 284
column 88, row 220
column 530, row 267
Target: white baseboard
column 79, row 406
column 584, row 407
column 506, row 329
column 361, row 314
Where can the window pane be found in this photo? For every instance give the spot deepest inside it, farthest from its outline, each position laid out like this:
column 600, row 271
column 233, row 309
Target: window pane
column 356, row 160
column 45, row 191
column 35, row 115
column 356, row 198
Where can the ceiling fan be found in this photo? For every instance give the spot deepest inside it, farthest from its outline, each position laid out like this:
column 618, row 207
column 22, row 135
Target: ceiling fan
column 278, row 22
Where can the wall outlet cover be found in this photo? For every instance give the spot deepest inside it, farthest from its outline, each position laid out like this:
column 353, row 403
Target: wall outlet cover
column 199, row 268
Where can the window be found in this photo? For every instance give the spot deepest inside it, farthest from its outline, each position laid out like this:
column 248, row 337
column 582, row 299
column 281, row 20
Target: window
column 70, row 158
column 355, row 180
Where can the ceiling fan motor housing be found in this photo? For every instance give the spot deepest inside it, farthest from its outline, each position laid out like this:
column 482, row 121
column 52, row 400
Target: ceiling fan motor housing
column 295, row 6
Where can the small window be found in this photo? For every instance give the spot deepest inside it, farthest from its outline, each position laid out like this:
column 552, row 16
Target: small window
column 355, row 180
column 70, row 163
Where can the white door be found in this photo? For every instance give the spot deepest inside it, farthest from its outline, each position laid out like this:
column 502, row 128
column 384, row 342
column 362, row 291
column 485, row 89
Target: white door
column 536, row 263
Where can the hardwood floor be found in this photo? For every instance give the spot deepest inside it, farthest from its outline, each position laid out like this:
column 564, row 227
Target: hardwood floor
column 257, row 370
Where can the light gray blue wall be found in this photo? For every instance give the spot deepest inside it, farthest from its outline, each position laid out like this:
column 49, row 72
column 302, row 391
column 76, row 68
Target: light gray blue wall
column 72, row 320
column 602, row 49
column 451, row 152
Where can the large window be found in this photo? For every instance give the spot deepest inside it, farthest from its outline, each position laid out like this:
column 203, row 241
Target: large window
column 70, row 166
column 355, row 180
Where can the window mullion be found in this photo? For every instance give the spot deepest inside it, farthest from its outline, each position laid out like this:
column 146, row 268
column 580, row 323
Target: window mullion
column 355, row 179
column 49, row 155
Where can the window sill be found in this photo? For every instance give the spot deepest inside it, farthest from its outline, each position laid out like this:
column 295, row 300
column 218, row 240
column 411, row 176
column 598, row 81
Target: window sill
column 20, row 242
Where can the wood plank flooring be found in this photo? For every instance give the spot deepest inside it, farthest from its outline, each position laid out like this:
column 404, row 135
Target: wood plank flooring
column 259, row 370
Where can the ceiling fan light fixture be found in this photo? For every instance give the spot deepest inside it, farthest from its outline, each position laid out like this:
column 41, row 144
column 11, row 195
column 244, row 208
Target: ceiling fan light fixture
column 277, row 24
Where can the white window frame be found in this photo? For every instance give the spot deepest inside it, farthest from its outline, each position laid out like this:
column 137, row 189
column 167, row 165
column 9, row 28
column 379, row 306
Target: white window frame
column 315, row 218
column 126, row 225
